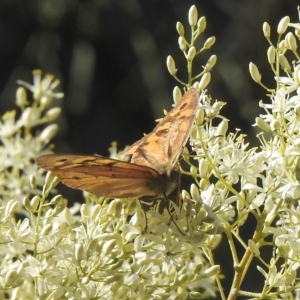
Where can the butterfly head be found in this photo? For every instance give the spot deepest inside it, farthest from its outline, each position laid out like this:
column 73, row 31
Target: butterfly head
column 168, row 180
column 163, row 169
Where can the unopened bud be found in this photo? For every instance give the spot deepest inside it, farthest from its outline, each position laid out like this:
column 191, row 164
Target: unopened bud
column 193, row 15
column 180, row 28
column 21, row 97
column 191, row 54
column 271, row 54
column 177, row 95
column 209, row 42
column 284, row 63
column 204, row 81
column 266, row 30
column 254, row 72
column 171, row 65
column 283, row 25
column 211, row 62
column 262, row 124
column 49, row 132
column 182, row 43
column 201, row 24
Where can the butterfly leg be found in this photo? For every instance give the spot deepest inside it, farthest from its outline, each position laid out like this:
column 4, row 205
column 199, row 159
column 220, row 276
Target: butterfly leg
column 168, row 209
column 144, row 211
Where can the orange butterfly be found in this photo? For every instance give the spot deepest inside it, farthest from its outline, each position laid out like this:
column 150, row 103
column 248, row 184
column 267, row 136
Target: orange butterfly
column 151, row 172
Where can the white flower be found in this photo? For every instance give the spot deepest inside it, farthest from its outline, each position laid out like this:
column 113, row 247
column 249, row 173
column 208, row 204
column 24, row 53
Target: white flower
column 8, row 125
column 42, row 87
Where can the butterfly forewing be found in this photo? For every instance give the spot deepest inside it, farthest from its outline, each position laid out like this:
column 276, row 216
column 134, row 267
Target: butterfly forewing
column 152, row 171
column 163, row 146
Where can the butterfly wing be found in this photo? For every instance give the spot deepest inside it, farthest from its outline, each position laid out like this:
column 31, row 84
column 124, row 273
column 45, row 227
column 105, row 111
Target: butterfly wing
column 103, row 176
column 152, row 172
column 161, row 148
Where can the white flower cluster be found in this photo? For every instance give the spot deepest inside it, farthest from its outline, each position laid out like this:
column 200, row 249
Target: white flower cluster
column 19, row 142
column 236, row 181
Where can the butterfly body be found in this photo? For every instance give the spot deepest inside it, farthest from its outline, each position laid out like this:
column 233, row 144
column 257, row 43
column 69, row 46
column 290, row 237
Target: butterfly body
column 152, row 171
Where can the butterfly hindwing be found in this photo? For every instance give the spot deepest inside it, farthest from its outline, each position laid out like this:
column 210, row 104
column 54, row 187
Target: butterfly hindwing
column 101, row 175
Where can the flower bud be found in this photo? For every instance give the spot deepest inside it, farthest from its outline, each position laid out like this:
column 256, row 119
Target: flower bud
column 35, row 201
column 262, row 124
column 49, row 132
column 21, row 97
column 27, row 204
column 171, row 65
column 56, row 200
column 291, row 42
column 50, row 179
column 193, row 171
column 211, row 271
column 191, row 54
column 284, row 63
column 11, row 207
column 200, row 116
column 201, row 24
column 209, row 42
column 211, row 62
column 177, row 95
column 182, row 43
column 204, row 184
column 204, row 81
column 222, row 128
column 108, row 247
column 193, row 15
column 180, row 28
column 30, row 117
column 52, row 114
column 203, row 168
column 281, row 47
column 254, row 72
column 271, row 54
column 266, row 30
column 283, row 25
column 79, row 251
column 195, row 192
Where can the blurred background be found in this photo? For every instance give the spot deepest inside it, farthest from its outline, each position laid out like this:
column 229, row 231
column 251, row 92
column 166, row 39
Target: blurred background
column 111, row 59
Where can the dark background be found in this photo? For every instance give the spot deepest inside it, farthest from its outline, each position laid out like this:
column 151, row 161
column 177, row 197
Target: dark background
column 110, row 57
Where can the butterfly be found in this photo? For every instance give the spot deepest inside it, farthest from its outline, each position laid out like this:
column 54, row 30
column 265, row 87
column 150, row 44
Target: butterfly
column 152, row 171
